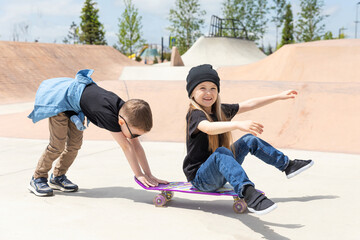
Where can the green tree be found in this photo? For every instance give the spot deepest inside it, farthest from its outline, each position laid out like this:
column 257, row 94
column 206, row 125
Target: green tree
column 269, row 50
column 129, row 36
column 288, row 29
column 251, row 14
column 278, row 19
column 73, row 34
column 328, row 36
column 92, row 31
column 186, row 21
column 230, row 12
column 310, row 26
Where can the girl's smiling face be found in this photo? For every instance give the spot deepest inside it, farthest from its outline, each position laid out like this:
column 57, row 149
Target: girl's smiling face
column 205, row 94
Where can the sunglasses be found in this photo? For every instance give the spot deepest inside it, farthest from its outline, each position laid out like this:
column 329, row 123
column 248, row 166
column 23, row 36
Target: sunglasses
column 132, row 135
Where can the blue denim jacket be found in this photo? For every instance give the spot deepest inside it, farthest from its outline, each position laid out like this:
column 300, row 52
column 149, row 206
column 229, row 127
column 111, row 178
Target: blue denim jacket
column 58, row 95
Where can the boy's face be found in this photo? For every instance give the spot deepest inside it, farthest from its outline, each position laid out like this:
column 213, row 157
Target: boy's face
column 205, row 94
column 129, row 131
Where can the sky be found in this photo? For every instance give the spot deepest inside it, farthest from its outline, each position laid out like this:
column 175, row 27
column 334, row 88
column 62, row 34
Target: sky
column 49, row 20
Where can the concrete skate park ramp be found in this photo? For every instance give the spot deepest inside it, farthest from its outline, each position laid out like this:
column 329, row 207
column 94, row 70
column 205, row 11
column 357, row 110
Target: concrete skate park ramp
column 24, row 65
column 320, row 61
column 326, row 113
column 222, row 51
column 217, row 51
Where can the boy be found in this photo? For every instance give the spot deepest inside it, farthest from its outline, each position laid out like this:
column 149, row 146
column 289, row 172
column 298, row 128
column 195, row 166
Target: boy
column 66, row 102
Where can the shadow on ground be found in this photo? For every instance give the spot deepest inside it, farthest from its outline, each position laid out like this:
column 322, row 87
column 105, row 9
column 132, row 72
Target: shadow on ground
column 220, row 207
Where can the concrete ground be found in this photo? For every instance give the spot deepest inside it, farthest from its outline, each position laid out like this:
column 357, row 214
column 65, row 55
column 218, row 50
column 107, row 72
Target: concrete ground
column 321, row 203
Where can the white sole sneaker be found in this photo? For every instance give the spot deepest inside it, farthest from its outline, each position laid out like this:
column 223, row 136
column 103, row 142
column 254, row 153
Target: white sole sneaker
column 300, row 170
column 57, row 187
column 265, row 211
column 33, row 190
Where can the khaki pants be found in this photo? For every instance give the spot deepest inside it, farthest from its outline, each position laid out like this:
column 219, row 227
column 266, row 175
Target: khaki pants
column 65, row 142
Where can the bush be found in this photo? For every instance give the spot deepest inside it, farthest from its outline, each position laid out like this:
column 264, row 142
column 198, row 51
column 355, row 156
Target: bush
column 167, row 56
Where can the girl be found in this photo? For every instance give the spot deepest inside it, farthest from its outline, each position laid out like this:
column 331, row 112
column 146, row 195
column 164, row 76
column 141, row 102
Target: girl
column 212, row 160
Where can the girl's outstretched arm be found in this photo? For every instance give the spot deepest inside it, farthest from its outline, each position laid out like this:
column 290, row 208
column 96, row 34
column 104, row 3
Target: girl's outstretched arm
column 254, row 103
column 214, row 128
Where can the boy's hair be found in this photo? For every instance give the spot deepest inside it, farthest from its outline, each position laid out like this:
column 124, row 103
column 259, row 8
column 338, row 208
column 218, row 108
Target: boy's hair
column 138, row 114
column 218, row 140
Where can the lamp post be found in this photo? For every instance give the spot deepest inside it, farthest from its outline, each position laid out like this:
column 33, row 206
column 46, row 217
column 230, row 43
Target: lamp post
column 342, row 31
column 356, row 20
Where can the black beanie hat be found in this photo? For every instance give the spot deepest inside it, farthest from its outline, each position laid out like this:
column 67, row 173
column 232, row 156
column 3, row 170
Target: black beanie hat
column 199, row 74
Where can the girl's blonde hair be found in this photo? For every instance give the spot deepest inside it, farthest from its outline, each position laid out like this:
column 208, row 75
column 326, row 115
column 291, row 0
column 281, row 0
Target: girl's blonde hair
column 218, row 140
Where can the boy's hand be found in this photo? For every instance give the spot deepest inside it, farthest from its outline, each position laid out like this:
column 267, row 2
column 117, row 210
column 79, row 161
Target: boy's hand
column 158, row 180
column 250, row 126
column 148, row 182
column 287, row 94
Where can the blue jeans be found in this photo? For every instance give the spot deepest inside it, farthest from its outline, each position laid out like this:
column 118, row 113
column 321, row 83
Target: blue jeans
column 222, row 166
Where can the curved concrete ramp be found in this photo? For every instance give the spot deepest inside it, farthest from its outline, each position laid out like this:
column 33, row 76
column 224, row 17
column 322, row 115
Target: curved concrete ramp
column 320, row 61
column 24, row 65
column 222, row 51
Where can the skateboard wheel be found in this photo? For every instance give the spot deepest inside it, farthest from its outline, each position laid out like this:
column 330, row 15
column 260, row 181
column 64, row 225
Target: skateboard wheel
column 239, row 206
column 168, row 194
column 159, row 200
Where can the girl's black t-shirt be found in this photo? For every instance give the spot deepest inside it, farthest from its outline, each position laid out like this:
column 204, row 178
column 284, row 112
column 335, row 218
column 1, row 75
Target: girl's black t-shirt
column 197, row 142
column 101, row 107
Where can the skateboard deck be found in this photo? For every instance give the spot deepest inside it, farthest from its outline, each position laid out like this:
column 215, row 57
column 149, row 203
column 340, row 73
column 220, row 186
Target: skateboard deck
column 167, row 192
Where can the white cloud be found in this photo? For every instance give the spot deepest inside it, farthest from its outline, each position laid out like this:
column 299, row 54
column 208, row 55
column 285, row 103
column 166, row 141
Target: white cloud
column 331, row 10
column 39, row 8
column 212, row 7
column 154, row 7
column 49, row 33
column 46, row 19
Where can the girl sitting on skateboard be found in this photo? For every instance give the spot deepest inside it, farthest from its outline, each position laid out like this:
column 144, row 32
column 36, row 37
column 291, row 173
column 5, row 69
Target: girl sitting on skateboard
column 212, row 159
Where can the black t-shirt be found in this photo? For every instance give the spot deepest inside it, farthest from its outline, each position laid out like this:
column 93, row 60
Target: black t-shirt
column 101, row 107
column 197, row 142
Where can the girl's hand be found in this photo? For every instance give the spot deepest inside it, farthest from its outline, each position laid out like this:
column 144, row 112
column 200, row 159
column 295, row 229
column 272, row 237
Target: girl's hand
column 287, row 94
column 250, row 126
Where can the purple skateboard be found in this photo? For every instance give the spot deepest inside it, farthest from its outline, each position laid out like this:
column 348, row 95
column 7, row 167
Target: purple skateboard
column 167, row 192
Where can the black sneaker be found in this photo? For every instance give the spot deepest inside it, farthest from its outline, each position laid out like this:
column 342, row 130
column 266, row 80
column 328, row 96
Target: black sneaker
column 257, row 202
column 297, row 166
column 40, row 187
column 62, row 183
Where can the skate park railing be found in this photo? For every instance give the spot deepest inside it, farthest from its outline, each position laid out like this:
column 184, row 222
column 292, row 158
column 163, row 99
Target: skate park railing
column 220, row 27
